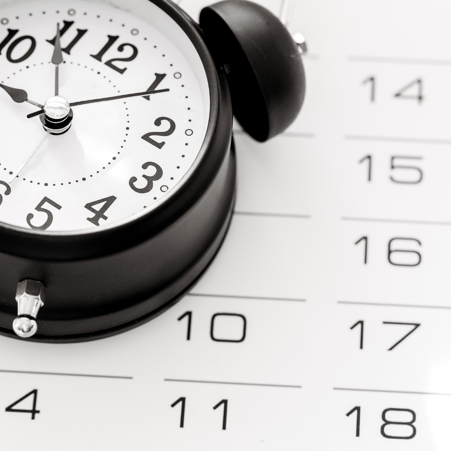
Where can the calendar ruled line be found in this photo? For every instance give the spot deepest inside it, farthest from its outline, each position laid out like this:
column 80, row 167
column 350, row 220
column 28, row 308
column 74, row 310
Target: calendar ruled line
column 254, row 298
column 398, row 139
column 286, row 134
column 191, row 381
column 271, row 215
column 391, row 60
column 380, row 304
column 402, row 392
column 397, row 221
column 43, row 373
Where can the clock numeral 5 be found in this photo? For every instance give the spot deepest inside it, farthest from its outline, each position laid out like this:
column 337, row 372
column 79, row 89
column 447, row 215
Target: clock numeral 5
column 49, row 214
column 150, row 179
column 109, row 63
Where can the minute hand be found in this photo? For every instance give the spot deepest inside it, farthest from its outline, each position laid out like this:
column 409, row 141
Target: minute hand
column 105, row 99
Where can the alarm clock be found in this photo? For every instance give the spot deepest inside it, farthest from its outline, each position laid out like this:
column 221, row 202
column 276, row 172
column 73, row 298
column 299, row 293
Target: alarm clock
column 117, row 162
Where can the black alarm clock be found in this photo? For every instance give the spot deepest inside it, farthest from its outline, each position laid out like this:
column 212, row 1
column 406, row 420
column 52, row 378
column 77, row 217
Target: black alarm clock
column 117, row 163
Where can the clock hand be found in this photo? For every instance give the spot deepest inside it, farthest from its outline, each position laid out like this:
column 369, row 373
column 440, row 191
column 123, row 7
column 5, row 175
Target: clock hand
column 104, row 99
column 57, row 58
column 19, row 95
column 30, row 156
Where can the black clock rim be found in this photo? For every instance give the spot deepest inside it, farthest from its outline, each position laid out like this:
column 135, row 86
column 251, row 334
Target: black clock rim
column 93, row 243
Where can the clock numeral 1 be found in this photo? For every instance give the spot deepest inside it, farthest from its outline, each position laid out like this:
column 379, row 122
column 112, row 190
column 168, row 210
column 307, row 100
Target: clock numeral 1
column 100, row 213
column 49, row 214
column 109, row 63
column 70, row 46
column 9, row 53
column 158, row 79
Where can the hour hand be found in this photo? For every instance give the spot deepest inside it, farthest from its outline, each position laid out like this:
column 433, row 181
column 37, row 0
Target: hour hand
column 19, row 95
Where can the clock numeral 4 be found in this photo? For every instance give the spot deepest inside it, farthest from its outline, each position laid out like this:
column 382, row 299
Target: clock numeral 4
column 100, row 213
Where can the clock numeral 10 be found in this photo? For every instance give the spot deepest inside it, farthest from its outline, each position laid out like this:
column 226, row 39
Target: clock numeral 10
column 121, row 48
column 71, row 45
column 11, row 45
column 389, row 425
column 182, row 401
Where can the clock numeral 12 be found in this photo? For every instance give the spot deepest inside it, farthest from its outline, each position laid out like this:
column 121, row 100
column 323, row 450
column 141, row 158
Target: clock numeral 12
column 109, row 63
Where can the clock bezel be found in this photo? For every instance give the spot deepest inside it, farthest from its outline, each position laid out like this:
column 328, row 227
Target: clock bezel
column 109, row 239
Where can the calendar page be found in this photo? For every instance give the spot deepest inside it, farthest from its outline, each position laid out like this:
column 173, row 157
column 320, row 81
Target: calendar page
column 324, row 321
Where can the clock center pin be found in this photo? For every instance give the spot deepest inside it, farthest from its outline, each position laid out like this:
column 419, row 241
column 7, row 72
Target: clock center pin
column 58, row 115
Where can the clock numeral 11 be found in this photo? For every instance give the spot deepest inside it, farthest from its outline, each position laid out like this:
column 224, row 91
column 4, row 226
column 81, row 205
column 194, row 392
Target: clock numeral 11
column 71, row 45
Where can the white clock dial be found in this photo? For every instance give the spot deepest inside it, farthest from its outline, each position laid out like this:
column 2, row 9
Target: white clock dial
column 120, row 157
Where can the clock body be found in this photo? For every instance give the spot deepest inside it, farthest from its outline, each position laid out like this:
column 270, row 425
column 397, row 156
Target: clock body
column 121, row 214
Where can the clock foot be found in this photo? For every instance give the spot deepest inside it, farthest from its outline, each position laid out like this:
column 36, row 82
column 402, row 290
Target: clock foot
column 30, row 296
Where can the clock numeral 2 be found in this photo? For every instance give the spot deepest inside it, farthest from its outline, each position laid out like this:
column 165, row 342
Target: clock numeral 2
column 168, row 132
column 109, row 63
column 49, row 214
column 157, row 176
column 100, row 213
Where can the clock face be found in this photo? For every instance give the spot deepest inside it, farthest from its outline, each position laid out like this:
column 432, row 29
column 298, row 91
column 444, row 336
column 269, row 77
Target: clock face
column 121, row 157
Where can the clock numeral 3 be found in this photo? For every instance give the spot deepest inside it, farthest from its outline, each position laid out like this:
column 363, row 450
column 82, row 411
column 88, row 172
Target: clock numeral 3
column 100, row 213
column 168, row 132
column 109, row 63
column 150, row 179
column 49, row 214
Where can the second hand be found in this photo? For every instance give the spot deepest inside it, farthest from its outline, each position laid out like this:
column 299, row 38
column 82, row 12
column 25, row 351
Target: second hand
column 14, row 177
